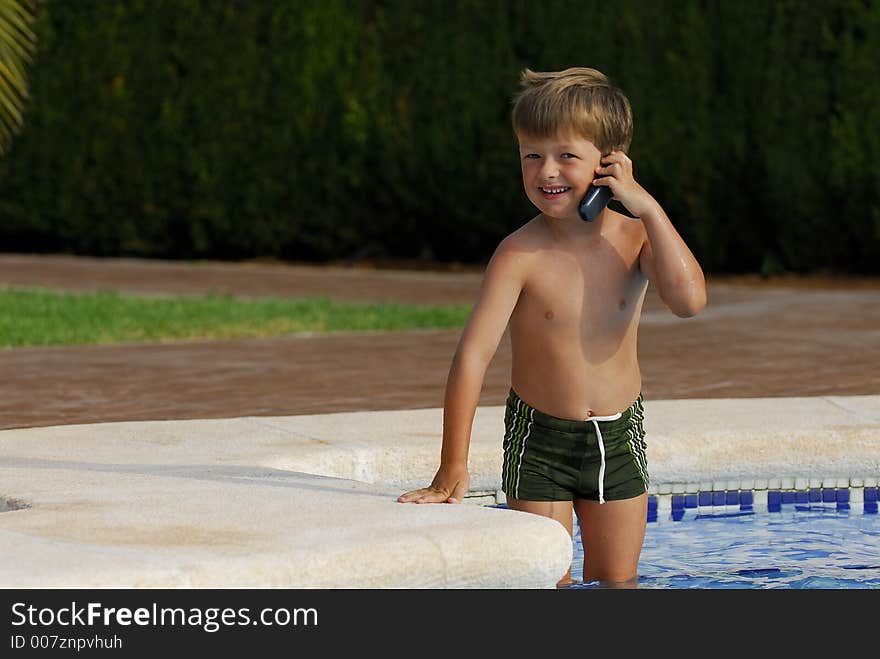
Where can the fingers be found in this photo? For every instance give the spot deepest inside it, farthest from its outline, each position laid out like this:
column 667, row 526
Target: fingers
column 615, row 163
column 425, row 495
column 434, row 495
column 408, row 497
column 617, row 157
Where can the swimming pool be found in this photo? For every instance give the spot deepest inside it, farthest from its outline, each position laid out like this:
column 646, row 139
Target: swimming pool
column 798, row 539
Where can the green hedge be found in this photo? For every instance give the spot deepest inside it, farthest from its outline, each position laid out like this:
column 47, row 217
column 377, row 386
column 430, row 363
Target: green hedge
column 334, row 129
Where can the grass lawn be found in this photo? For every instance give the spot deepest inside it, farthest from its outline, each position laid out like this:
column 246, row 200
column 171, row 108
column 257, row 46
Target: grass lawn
column 45, row 317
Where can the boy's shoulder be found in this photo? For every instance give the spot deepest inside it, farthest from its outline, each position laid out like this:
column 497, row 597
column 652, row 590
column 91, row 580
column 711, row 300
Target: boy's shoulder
column 533, row 249
column 534, row 234
column 521, row 246
column 528, row 235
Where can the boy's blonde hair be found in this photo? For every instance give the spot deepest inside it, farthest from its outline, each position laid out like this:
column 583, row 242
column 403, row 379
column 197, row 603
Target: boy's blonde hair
column 578, row 100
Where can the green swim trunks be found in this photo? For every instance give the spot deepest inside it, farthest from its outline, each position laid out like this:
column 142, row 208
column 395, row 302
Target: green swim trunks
column 552, row 459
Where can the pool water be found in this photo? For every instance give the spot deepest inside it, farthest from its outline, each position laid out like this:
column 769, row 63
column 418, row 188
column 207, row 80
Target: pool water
column 815, row 547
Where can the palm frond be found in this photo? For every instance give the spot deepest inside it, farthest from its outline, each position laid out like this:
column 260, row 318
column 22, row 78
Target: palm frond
column 17, row 43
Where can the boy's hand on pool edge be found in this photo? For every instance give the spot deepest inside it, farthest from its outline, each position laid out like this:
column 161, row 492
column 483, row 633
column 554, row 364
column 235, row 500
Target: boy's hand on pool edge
column 450, row 485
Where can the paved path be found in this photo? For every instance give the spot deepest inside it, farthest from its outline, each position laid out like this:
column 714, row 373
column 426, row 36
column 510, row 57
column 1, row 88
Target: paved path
column 753, row 340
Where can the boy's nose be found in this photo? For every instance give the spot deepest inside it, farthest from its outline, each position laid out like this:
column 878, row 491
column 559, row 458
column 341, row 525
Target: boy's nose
column 549, row 170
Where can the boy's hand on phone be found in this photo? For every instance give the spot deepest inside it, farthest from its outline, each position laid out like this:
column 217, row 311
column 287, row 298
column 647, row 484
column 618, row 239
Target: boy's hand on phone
column 616, row 171
column 450, row 485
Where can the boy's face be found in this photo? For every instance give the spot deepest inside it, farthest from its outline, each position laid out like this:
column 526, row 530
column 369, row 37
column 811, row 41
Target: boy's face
column 557, row 171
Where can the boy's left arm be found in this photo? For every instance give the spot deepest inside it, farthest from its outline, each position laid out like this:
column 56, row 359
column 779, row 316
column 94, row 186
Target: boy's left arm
column 665, row 258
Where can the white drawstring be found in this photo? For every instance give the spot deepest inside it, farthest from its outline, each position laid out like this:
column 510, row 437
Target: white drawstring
column 595, row 420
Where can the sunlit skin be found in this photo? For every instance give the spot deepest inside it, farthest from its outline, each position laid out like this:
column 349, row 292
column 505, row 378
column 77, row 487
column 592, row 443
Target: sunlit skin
column 570, row 292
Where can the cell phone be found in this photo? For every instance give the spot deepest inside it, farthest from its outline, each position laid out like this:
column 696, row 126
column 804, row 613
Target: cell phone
column 594, row 201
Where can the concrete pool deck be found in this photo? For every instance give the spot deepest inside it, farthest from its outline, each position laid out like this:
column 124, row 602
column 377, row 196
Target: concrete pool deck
column 308, row 501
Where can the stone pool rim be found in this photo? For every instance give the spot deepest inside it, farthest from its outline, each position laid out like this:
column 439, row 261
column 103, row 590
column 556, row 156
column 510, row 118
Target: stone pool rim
column 254, row 501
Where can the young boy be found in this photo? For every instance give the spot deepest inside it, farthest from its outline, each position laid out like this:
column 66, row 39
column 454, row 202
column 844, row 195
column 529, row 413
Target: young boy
column 571, row 292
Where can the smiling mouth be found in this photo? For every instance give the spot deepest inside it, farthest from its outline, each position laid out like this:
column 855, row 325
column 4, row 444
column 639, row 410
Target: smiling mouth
column 554, row 191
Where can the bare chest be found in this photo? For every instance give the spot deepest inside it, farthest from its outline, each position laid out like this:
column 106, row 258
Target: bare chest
column 593, row 292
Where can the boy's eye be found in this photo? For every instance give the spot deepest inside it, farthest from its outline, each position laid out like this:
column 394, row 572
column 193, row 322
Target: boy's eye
column 568, row 155
column 532, row 155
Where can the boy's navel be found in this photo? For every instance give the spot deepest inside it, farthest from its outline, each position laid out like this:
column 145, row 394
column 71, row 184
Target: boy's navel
column 548, row 314
column 621, row 305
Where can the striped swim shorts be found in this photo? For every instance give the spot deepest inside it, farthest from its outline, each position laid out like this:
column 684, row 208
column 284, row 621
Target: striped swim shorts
column 551, row 459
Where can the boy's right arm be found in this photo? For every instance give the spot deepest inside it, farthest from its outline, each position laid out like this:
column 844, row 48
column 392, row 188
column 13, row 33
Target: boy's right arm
column 485, row 327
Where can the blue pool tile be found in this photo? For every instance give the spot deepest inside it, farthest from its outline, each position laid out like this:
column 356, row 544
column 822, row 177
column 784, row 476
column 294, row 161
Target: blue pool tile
column 870, row 495
column 746, row 508
column 746, row 498
column 690, row 501
column 801, row 506
column 842, row 505
column 760, row 572
column 815, row 495
column 652, row 515
column 677, row 501
column 732, row 497
column 718, row 498
column 871, row 508
column 706, row 498
column 803, row 548
column 677, row 514
column 802, row 496
column 788, row 496
column 843, row 495
column 774, row 498
column 652, row 504
column 829, row 494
